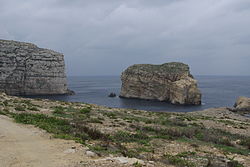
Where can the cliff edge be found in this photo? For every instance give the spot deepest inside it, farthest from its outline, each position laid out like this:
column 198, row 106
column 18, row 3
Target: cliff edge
column 170, row 82
column 26, row 69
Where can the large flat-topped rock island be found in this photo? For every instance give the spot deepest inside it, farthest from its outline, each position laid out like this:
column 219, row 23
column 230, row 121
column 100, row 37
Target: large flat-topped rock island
column 26, row 69
column 171, row 82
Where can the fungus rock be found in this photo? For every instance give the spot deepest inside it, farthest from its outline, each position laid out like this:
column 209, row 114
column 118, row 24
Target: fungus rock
column 170, row 82
column 242, row 104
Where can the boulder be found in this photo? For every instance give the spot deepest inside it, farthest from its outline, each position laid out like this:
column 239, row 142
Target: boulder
column 112, row 95
column 26, row 69
column 171, row 82
column 242, row 104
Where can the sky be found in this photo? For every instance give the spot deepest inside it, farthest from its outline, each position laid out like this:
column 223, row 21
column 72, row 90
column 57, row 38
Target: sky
column 104, row 37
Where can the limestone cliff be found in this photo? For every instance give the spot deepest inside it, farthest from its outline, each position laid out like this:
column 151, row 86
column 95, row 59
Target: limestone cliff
column 26, row 69
column 242, row 104
column 170, row 82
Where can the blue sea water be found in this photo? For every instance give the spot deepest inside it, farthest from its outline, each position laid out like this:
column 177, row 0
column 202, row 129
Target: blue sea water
column 217, row 91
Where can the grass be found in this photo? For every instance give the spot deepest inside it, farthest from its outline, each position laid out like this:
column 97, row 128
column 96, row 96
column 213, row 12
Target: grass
column 234, row 163
column 61, row 128
column 126, row 137
column 3, row 113
column 111, row 115
column 86, row 110
column 137, row 164
column 178, row 161
column 20, row 108
column 33, row 108
column 246, row 142
column 50, row 124
column 230, row 149
column 221, row 139
column 70, row 112
column 95, row 120
column 5, row 102
column 186, row 154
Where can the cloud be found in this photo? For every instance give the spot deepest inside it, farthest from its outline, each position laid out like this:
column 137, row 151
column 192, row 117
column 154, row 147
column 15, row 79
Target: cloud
column 104, row 37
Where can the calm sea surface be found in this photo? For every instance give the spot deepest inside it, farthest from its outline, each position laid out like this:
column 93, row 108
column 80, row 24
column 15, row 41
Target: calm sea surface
column 217, row 91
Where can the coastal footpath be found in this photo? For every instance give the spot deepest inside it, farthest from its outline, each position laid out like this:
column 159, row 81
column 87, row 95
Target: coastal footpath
column 26, row 69
column 87, row 135
column 170, row 82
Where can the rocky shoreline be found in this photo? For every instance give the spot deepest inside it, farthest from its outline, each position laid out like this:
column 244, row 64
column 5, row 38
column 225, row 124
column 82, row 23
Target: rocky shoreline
column 213, row 137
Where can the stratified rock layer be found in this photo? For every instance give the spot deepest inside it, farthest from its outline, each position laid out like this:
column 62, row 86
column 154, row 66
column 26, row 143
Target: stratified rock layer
column 170, row 82
column 26, row 69
column 242, row 104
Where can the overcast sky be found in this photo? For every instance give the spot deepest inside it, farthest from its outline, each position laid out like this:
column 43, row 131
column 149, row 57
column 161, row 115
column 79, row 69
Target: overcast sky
column 103, row 37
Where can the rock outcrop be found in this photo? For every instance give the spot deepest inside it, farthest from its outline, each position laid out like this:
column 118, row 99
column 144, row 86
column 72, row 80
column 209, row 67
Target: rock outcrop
column 242, row 104
column 26, row 69
column 170, row 82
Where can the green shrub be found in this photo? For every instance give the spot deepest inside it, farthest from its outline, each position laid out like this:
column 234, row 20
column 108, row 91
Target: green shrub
column 3, row 113
column 234, row 163
column 86, row 110
column 5, row 103
column 178, row 161
column 233, row 149
column 137, row 164
column 33, row 108
column 95, row 120
column 126, row 137
column 111, row 115
column 59, row 127
column 246, row 142
column 20, row 108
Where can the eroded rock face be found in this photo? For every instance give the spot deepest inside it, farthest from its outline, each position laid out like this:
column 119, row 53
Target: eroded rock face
column 170, row 82
column 26, row 69
column 242, row 105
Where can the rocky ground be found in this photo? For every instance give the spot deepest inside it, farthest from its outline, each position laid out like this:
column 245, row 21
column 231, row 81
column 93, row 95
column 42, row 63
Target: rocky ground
column 119, row 137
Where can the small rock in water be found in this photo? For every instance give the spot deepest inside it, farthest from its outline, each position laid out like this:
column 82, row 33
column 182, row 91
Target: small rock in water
column 112, row 95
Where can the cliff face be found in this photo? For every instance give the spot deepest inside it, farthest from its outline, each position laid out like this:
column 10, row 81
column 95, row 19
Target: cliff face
column 242, row 104
column 170, row 82
column 26, row 69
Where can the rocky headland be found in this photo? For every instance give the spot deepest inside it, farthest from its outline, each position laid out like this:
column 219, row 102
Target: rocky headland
column 242, row 105
column 26, row 69
column 113, row 137
column 171, row 82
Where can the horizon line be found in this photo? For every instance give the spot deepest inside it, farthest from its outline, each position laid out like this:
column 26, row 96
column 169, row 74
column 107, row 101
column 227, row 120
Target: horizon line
column 193, row 75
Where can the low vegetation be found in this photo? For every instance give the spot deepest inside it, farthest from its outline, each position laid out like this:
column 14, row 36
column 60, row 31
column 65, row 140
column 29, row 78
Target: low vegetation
column 132, row 133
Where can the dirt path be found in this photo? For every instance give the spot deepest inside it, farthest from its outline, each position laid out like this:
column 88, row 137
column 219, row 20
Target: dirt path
column 26, row 146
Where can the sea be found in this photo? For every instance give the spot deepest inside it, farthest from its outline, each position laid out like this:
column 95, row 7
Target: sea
column 217, row 91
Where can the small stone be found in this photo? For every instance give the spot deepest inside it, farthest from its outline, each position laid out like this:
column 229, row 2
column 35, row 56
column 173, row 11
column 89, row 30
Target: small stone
column 69, row 151
column 130, row 161
column 90, row 154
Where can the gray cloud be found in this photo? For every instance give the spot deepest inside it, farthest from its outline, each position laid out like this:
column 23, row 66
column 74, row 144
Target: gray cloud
column 104, row 37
